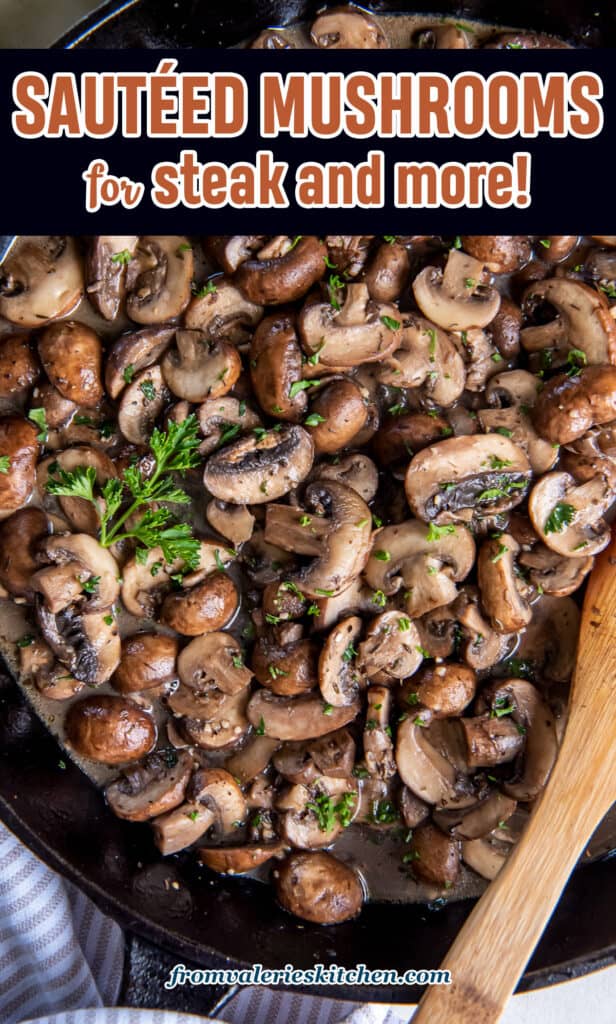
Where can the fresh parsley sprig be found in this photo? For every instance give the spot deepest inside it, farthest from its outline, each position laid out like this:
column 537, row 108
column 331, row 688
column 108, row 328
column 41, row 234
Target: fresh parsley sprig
column 174, row 451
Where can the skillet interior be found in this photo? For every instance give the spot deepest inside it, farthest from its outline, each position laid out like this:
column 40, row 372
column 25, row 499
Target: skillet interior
column 60, row 814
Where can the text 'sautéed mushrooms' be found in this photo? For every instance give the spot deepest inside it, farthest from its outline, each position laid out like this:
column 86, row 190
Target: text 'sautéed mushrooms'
column 41, row 280
column 457, row 298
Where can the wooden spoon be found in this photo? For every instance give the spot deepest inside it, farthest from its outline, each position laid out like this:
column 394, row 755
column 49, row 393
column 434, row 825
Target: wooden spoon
column 496, row 942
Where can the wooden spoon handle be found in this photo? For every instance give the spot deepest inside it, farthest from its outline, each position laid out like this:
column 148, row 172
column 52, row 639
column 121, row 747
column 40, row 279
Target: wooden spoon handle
column 495, row 944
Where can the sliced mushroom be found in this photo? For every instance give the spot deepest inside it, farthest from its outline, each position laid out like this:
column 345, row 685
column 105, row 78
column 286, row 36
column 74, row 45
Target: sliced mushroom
column 88, row 644
column 41, row 279
column 378, row 744
column 214, row 660
column 233, row 522
column 197, row 370
column 456, row 299
column 283, row 271
column 105, row 268
column 400, row 436
column 145, row 583
column 220, row 419
column 436, row 857
column 148, row 660
column 142, row 402
column 159, row 279
column 514, row 394
column 345, row 538
column 81, row 513
column 446, row 689
column 347, row 28
column 223, row 313
column 238, row 860
column 554, row 574
column 226, row 728
column 501, row 592
column 569, row 517
column 254, row 470
column 549, row 642
column 426, row 772
column 340, row 677
column 275, row 366
column 554, row 248
column 505, row 328
column 20, row 536
column 427, row 567
column 109, row 730
column 96, row 566
column 582, row 320
column 388, row 272
column 19, row 367
column 391, row 650
column 155, row 786
column 232, row 250
column 477, row 821
column 252, row 759
column 462, row 477
column 356, row 471
column 534, row 718
column 296, row 718
column 426, row 357
column 134, row 352
column 501, row 254
column 214, row 800
column 482, row 646
column 300, row 824
column 362, row 331
column 571, row 406
column 18, row 444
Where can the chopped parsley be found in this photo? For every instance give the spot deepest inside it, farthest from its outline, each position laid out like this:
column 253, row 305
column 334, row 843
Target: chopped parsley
column 38, row 416
column 436, row 532
column 390, row 323
column 301, row 385
column 561, row 516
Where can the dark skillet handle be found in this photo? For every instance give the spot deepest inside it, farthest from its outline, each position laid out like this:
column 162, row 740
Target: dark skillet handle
column 147, row 968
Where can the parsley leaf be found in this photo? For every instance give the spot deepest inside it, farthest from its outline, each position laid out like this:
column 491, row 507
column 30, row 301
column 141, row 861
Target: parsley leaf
column 561, row 515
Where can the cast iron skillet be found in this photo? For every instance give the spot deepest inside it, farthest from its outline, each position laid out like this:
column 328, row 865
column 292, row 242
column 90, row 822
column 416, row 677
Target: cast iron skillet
column 182, row 908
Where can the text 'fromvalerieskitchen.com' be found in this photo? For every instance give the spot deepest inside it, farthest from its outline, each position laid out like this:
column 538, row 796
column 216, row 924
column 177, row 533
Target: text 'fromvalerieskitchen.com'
column 320, row 974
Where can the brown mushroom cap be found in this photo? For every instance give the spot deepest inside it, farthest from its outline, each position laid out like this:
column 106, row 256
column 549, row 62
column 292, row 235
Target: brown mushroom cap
column 347, row 28
column 436, row 856
column 502, row 254
column 133, row 352
column 446, row 689
column 155, row 786
column 317, row 887
column 340, row 677
column 19, row 367
column 110, row 730
column 238, row 860
column 18, row 442
column 296, row 718
column 148, row 660
column 571, row 406
column 287, row 669
column 41, row 279
column 356, row 471
column 226, row 724
column 341, row 412
column 254, row 470
column 20, row 535
column 71, row 354
column 275, row 365
column 491, row 741
column 214, row 659
column 285, row 275
column 388, row 272
column 456, row 299
column 159, row 279
column 204, row 608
